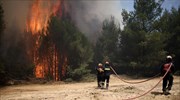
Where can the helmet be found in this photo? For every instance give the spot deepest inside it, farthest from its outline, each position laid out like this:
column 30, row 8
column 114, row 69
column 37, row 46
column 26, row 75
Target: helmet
column 99, row 64
column 168, row 57
column 106, row 62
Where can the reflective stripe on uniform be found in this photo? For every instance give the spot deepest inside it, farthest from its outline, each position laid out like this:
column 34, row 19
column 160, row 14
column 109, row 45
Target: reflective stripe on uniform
column 107, row 69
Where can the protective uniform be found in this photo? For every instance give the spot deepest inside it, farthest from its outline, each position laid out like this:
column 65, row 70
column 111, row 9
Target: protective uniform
column 107, row 72
column 100, row 75
column 168, row 79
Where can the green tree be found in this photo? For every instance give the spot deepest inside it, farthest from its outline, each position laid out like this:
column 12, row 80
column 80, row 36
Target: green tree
column 141, row 45
column 169, row 24
column 107, row 44
column 145, row 14
column 15, row 58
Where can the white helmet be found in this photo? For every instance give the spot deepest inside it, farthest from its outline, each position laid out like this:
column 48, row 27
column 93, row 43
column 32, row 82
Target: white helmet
column 106, row 62
column 99, row 64
column 169, row 57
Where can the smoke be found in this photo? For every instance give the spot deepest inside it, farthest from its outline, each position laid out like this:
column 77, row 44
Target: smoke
column 16, row 11
column 88, row 15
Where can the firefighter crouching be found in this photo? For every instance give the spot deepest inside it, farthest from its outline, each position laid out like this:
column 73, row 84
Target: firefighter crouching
column 168, row 79
column 100, row 75
column 107, row 72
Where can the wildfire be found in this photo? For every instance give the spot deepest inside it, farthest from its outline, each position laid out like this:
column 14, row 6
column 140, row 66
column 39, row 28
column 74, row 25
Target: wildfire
column 39, row 14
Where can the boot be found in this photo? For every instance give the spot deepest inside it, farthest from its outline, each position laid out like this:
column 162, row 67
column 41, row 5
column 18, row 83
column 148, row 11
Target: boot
column 99, row 85
column 107, row 85
column 102, row 85
column 168, row 88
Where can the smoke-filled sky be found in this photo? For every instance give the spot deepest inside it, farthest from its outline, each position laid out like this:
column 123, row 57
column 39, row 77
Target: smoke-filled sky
column 87, row 14
column 15, row 12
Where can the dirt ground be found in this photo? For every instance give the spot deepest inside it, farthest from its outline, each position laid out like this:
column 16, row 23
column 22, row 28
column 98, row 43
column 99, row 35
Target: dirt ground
column 118, row 90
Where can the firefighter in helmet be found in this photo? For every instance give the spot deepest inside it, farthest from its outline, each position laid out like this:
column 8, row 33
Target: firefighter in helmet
column 168, row 79
column 107, row 72
column 100, row 75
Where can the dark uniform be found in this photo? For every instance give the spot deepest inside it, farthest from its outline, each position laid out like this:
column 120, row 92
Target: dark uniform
column 107, row 72
column 168, row 79
column 100, row 75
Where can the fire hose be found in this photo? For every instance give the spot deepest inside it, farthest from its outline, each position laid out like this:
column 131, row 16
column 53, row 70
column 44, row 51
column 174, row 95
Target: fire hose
column 133, row 82
column 151, row 88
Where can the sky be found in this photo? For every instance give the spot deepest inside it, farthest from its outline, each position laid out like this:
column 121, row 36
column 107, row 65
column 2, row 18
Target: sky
column 168, row 4
column 128, row 5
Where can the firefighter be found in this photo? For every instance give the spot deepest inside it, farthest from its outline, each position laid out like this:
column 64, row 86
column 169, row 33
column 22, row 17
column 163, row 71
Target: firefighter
column 100, row 75
column 107, row 72
column 168, row 79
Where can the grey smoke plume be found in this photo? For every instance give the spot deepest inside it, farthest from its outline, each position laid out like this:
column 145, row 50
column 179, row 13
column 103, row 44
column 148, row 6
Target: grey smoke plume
column 88, row 15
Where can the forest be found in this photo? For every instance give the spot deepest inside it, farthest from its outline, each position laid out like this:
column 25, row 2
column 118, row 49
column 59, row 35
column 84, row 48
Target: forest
column 62, row 52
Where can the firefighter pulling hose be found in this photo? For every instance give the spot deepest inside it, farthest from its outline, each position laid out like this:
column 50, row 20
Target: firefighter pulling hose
column 107, row 72
column 167, row 69
column 103, row 75
column 152, row 87
column 168, row 79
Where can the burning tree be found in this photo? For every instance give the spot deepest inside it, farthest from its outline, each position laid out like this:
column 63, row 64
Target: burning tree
column 71, row 44
column 37, row 23
column 55, row 43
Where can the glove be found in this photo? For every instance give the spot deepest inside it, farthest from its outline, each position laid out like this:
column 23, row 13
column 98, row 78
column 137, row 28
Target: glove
column 101, row 70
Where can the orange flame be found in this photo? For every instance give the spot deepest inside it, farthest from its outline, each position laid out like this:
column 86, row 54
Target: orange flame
column 39, row 14
column 39, row 71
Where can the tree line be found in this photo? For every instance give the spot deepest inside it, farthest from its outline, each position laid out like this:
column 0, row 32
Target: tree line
column 149, row 34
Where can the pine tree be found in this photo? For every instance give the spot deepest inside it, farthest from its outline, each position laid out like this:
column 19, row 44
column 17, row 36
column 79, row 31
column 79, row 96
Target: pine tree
column 141, row 44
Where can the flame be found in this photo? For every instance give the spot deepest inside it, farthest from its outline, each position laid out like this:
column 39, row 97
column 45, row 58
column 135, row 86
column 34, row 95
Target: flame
column 39, row 71
column 39, row 14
